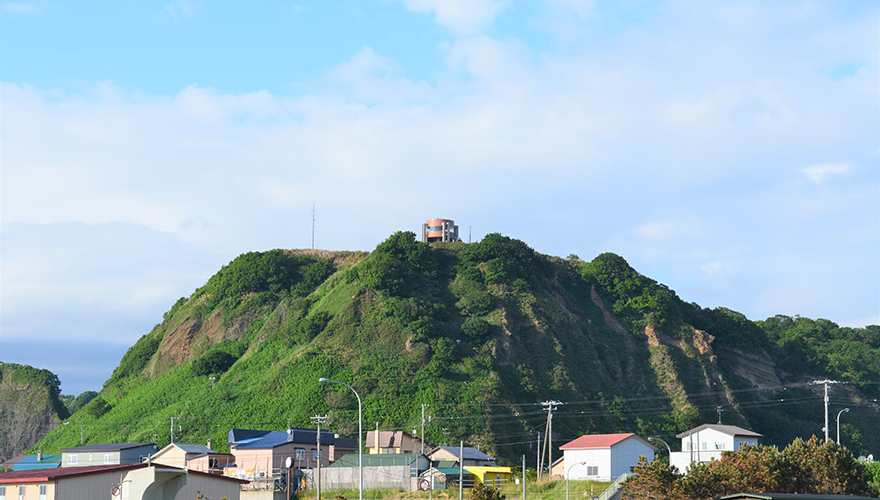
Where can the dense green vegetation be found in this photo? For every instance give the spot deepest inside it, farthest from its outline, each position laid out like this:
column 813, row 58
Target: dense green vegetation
column 802, row 467
column 481, row 334
column 73, row 403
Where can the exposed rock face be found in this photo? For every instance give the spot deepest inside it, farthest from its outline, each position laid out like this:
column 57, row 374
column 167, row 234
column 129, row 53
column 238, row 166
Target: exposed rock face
column 26, row 413
column 758, row 371
column 190, row 338
column 610, row 320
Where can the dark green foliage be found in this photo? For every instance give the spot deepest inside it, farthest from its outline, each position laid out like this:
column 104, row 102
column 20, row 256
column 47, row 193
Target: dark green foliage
column 732, row 327
column 307, row 328
column 30, row 376
column 98, row 407
column 25, row 374
column 212, row 362
column 499, row 259
column 399, row 266
column 482, row 491
column 137, row 356
column 479, row 332
column 75, row 403
column 873, row 469
column 275, row 272
column 315, row 274
column 253, row 272
column 476, row 327
column 803, row 467
column 634, row 296
column 824, row 348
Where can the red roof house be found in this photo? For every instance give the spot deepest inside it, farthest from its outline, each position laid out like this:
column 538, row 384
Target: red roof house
column 604, row 457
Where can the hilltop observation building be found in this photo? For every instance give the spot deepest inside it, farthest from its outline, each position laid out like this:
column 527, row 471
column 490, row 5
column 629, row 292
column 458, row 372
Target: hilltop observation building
column 439, row 230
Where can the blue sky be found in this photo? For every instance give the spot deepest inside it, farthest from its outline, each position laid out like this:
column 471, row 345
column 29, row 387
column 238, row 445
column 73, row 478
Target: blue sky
column 726, row 149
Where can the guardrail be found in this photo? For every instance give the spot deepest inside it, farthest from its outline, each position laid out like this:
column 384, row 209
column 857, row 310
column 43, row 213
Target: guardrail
column 611, row 490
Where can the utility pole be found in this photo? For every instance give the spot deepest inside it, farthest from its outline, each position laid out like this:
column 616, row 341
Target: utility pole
column 719, row 410
column 540, row 455
column 826, row 383
column 550, row 406
column 460, row 470
column 172, row 429
column 524, row 477
column 423, row 436
column 319, row 419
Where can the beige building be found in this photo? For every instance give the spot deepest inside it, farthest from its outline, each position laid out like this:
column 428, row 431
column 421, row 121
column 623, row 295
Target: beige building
column 392, row 442
column 472, row 456
column 116, row 482
column 193, row 457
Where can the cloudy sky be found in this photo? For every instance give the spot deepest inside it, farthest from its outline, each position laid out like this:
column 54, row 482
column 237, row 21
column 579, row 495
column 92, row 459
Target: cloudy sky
column 729, row 149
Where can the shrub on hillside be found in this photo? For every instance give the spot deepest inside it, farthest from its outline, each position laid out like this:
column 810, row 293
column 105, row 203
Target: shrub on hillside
column 212, row 362
column 483, row 491
column 99, row 407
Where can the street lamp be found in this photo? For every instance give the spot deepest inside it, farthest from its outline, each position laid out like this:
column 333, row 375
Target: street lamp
column 567, row 473
column 845, row 410
column 360, row 433
column 664, row 442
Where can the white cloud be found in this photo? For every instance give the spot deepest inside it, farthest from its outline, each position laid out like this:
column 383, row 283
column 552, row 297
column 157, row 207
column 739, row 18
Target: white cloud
column 667, row 143
column 179, row 9
column 821, row 173
column 23, row 8
column 463, row 17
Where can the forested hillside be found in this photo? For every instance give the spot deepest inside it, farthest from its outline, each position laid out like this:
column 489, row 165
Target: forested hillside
column 29, row 407
column 481, row 334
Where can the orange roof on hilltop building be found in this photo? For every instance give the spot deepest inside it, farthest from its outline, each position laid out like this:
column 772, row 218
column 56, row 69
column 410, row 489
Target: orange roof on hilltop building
column 594, row 441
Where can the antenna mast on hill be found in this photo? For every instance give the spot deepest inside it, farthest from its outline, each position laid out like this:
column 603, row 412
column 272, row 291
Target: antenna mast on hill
column 313, row 226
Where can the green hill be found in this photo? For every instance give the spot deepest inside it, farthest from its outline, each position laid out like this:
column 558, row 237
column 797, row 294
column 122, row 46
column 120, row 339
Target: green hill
column 482, row 334
column 29, row 407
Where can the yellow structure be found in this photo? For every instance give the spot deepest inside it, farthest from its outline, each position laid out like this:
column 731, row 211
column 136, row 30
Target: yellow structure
column 494, row 476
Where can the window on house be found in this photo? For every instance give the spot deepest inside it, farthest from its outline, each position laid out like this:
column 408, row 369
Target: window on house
column 719, row 446
column 72, row 459
column 108, row 458
column 21, row 493
column 300, row 453
column 2, row 492
column 688, row 446
column 704, row 445
column 42, row 492
column 592, row 470
column 314, row 454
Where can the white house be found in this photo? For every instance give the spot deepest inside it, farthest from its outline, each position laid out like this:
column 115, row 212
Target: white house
column 604, row 457
column 706, row 443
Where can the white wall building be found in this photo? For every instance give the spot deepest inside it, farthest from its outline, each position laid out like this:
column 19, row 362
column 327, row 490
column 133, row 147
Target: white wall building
column 706, row 443
column 604, row 457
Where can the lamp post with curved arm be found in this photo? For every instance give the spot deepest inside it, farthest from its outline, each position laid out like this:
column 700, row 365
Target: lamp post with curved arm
column 845, row 410
column 664, row 442
column 360, row 433
column 567, row 472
